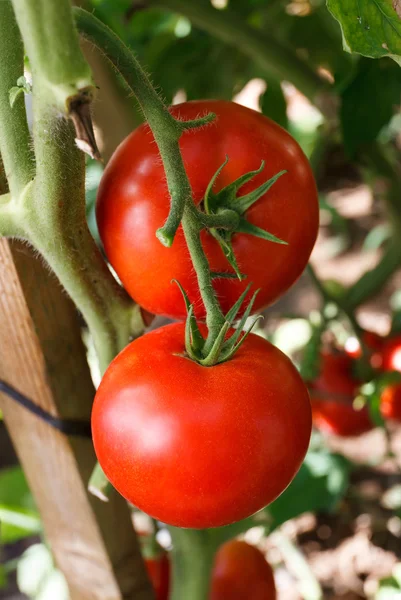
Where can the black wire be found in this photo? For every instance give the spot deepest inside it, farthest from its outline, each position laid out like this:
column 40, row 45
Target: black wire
column 73, row 427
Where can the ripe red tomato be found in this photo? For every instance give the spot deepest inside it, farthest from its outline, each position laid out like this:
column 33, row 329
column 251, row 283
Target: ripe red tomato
column 197, row 446
column 157, row 564
column 241, row 572
column 390, row 402
column 332, row 396
column 391, row 354
column 158, row 569
column 133, row 202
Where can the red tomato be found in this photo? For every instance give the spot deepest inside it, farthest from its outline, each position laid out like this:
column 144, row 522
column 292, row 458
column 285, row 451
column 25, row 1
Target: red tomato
column 241, row 572
column 391, row 354
column 159, row 574
column 332, row 395
column 197, row 446
column 133, row 202
column 390, row 402
column 157, row 565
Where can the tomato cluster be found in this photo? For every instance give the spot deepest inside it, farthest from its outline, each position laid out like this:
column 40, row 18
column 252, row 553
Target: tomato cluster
column 333, row 392
column 190, row 445
column 240, row 571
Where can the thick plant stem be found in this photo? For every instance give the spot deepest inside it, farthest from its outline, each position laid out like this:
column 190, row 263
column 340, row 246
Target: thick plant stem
column 51, row 42
column 193, row 556
column 274, row 57
column 57, row 227
column 15, row 141
column 167, row 132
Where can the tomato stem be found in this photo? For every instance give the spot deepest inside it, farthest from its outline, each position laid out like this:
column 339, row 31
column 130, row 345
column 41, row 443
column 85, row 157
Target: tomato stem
column 167, row 132
column 193, row 555
column 52, row 45
column 15, row 140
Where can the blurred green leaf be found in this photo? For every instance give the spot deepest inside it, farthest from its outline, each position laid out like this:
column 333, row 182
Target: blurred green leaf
column 369, row 102
column 319, row 486
column 273, row 104
column 14, row 490
column 3, row 577
column 17, row 523
column 369, row 27
column 388, row 589
column 377, row 236
column 18, row 516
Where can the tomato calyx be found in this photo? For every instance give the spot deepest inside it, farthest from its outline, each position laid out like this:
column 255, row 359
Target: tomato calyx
column 223, row 347
column 227, row 202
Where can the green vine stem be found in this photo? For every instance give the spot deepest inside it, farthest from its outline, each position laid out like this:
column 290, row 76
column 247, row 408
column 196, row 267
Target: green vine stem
column 193, row 555
column 56, row 226
column 51, row 43
column 167, row 132
column 49, row 211
column 15, row 140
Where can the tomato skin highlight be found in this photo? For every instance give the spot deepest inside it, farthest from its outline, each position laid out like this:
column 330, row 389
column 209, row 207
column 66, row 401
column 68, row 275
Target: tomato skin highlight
column 332, row 396
column 241, row 572
column 390, row 403
column 133, row 202
column 391, row 354
column 197, row 446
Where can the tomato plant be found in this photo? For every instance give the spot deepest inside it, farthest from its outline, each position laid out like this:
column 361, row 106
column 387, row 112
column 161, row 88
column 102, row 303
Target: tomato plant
column 200, row 446
column 133, row 202
column 240, row 572
column 333, row 393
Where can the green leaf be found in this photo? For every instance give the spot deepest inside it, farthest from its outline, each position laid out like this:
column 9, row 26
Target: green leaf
column 369, row 102
column 273, row 104
column 14, row 93
column 17, row 523
column 319, row 485
column 14, row 489
column 18, row 516
column 369, row 27
column 3, row 577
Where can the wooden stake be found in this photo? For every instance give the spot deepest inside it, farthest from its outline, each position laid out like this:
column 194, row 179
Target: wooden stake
column 42, row 355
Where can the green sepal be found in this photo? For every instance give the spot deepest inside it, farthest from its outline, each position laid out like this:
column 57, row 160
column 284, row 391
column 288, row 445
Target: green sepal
column 232, row 313
column 22, row 87
column 227, row 199
column 210, row 199
column 224, row 239
column 231, row 343
column 227, row 195
column 245, row 226
column 213, row 357
column 242, row 203
column 194, row 341
column 191, row 341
